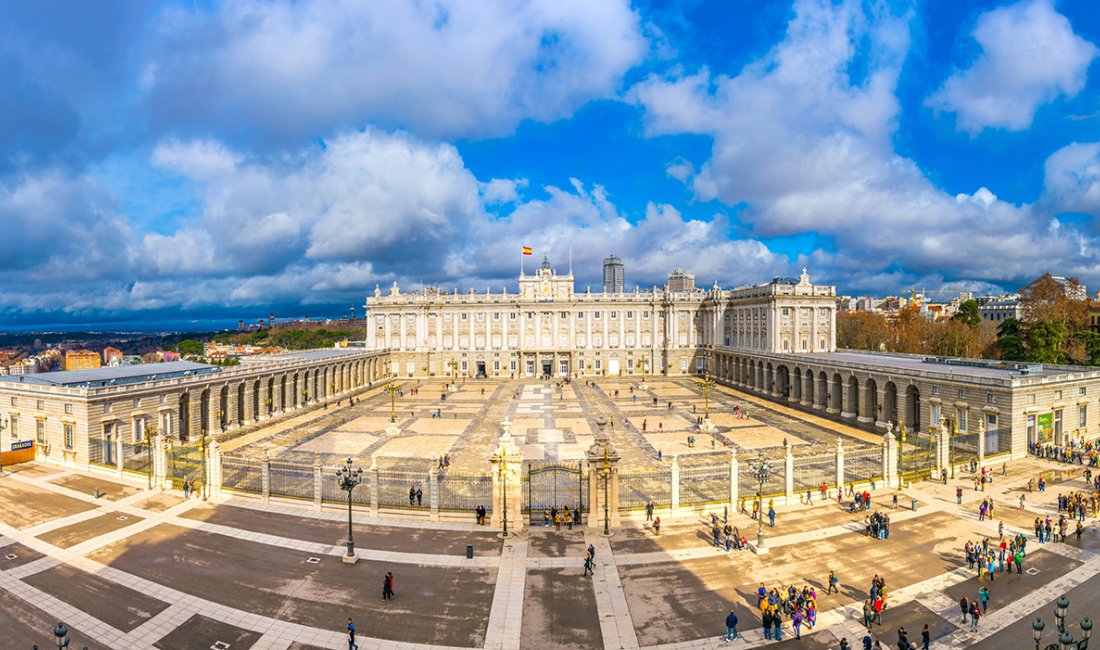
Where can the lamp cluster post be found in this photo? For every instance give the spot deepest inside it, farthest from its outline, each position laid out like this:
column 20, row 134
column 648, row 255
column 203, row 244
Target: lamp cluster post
column 761, row 470
column 1065, row 639
column 951, row 431
column 349, row 479
column 708, row 384
column 392, row 389
column 901, row 456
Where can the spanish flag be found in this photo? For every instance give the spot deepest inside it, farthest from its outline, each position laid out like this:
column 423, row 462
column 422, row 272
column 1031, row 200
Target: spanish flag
column 527, row 250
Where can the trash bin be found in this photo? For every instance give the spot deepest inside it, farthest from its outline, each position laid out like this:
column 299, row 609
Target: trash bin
column 95, row 493
column 914, row 505
column 469, row 551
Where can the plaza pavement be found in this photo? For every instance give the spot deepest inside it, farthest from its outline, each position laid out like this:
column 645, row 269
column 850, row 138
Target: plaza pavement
column 148, row 569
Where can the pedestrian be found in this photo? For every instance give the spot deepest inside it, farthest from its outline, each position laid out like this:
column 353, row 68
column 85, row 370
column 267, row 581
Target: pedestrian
column 777, row 626
column 959, row 495
column 657, row 526
column 186, row 487
column 975, row 614
column 352, row 645
column 649, row 511
column 387, row 587
column 868, row 614
column 983, row 594
column 925, row 636
column 589, row 565
column 731, row 626
column 419, row 496
column 867, row 641
column 412, row 495
column 833, row 582
column 771, row 517
column 796, row 623
column 766, row 623
column 903, row 638
column 844, row 644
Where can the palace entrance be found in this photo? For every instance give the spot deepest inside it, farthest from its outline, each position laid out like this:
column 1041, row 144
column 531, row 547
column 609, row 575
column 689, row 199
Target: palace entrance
column 553, row 485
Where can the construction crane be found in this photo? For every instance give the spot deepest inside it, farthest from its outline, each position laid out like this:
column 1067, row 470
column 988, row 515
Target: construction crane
column 914, row 292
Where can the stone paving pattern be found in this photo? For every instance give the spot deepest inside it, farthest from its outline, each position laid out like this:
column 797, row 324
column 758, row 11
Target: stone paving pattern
column 144, row 569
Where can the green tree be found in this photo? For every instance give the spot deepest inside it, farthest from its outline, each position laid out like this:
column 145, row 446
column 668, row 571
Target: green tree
column 190, row 348
column 1010, row 340
column 968, row 313
column 1046, row 342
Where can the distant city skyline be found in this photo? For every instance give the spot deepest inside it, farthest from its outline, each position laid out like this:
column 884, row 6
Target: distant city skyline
column 297, row 154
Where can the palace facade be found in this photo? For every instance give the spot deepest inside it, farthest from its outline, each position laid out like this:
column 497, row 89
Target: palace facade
column 548, row 329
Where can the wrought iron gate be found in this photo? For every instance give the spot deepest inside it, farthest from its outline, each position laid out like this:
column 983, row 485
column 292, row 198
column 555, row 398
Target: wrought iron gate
column 916, row 456
column 554, row 485
column 185, row 462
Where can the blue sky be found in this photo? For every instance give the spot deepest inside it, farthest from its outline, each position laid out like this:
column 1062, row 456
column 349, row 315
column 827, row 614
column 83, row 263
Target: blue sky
column 165, row 162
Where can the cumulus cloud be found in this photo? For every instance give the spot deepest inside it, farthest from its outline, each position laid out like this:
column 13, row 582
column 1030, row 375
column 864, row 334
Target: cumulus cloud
column 1072, row 178
column 805, row 146
column 1030, row 57
column 441, row 68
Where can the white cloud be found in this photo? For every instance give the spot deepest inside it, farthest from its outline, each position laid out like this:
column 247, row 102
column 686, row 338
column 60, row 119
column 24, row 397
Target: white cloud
column 441, row 68
column 1073, row 178
column 806, row 147
column 1030, row 57
column 503, row 190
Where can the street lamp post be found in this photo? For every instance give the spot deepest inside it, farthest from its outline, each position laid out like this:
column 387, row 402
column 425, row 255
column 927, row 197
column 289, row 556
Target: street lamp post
column 504, row 490
column 392, row 389
column 202, row 458
column 1065, row 639
column 951, row 442
column 453, row 365
column 349, row 479
column 3, row 427
column 901, row 456
column 606, row 472
column 760, row 471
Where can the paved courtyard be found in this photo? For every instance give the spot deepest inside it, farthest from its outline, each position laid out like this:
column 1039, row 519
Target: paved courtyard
column 553, row 421
column 143, row 569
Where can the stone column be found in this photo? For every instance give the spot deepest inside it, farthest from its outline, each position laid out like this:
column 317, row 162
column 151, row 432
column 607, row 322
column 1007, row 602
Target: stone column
column 981, row 439
column 943, row 450
column 846, row 400
column 675, row 491
column 889, row 457
column 433, row 493
column 265, row 476
column 603, row 475
column 735, row 484
column 839, row 466
column 119, row 462
column 160, row 460
column 318, row 483
column 214, row 468
column 374, row 484
column 864, row 401
column 788, row 472
column 506, row 463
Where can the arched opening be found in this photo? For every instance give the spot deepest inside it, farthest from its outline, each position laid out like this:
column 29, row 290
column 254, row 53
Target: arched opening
column 834, row 395
column 204, row 411
column 853, row 397
column 872, row 411
column 185, row 417
column 223, row 408
column 807, row 397
column 256, row 389
column 240, row 404
column 912, row 408
column 890, row 404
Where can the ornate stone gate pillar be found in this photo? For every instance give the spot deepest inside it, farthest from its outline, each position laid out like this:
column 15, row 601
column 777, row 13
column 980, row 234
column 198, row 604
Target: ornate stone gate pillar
column 507, row 463
column 603, row 484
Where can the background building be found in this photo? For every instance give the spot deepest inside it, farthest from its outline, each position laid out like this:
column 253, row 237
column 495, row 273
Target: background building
column 614, row 279
column 81, row 360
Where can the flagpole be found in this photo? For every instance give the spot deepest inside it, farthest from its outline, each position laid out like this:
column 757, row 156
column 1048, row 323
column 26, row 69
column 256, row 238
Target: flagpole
column 521, row 256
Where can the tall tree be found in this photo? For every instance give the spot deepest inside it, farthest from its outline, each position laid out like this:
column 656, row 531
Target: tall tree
column 1010, row 340
column 968, row 313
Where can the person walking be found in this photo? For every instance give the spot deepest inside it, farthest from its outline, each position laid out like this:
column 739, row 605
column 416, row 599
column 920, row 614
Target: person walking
column 833, row 582
column 657, row 526
column 387, row 587
column 925, row 637
column 731, row 626
column 352, row 645
column 766, row 623
column 868, row 614
column 975, row 614
column 589, row 565
column 771, row 516
column 983, row 594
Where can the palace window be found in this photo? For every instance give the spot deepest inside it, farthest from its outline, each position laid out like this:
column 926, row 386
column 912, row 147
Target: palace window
column 69, row 409
column 41, row 405
column 465, row 316
column 990, row 398
column 614, row 315
column 562, row 314
column 68, row 436
column 1081, row 390
column 40, row 431
column 1082, row 417
column 480, row 316
column 596, row 315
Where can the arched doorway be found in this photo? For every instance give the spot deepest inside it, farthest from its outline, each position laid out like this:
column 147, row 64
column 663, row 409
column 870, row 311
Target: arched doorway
column 912, row 407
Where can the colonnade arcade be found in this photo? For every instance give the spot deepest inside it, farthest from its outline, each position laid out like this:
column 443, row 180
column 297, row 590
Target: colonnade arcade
column 872, row 400
column 225, row 403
